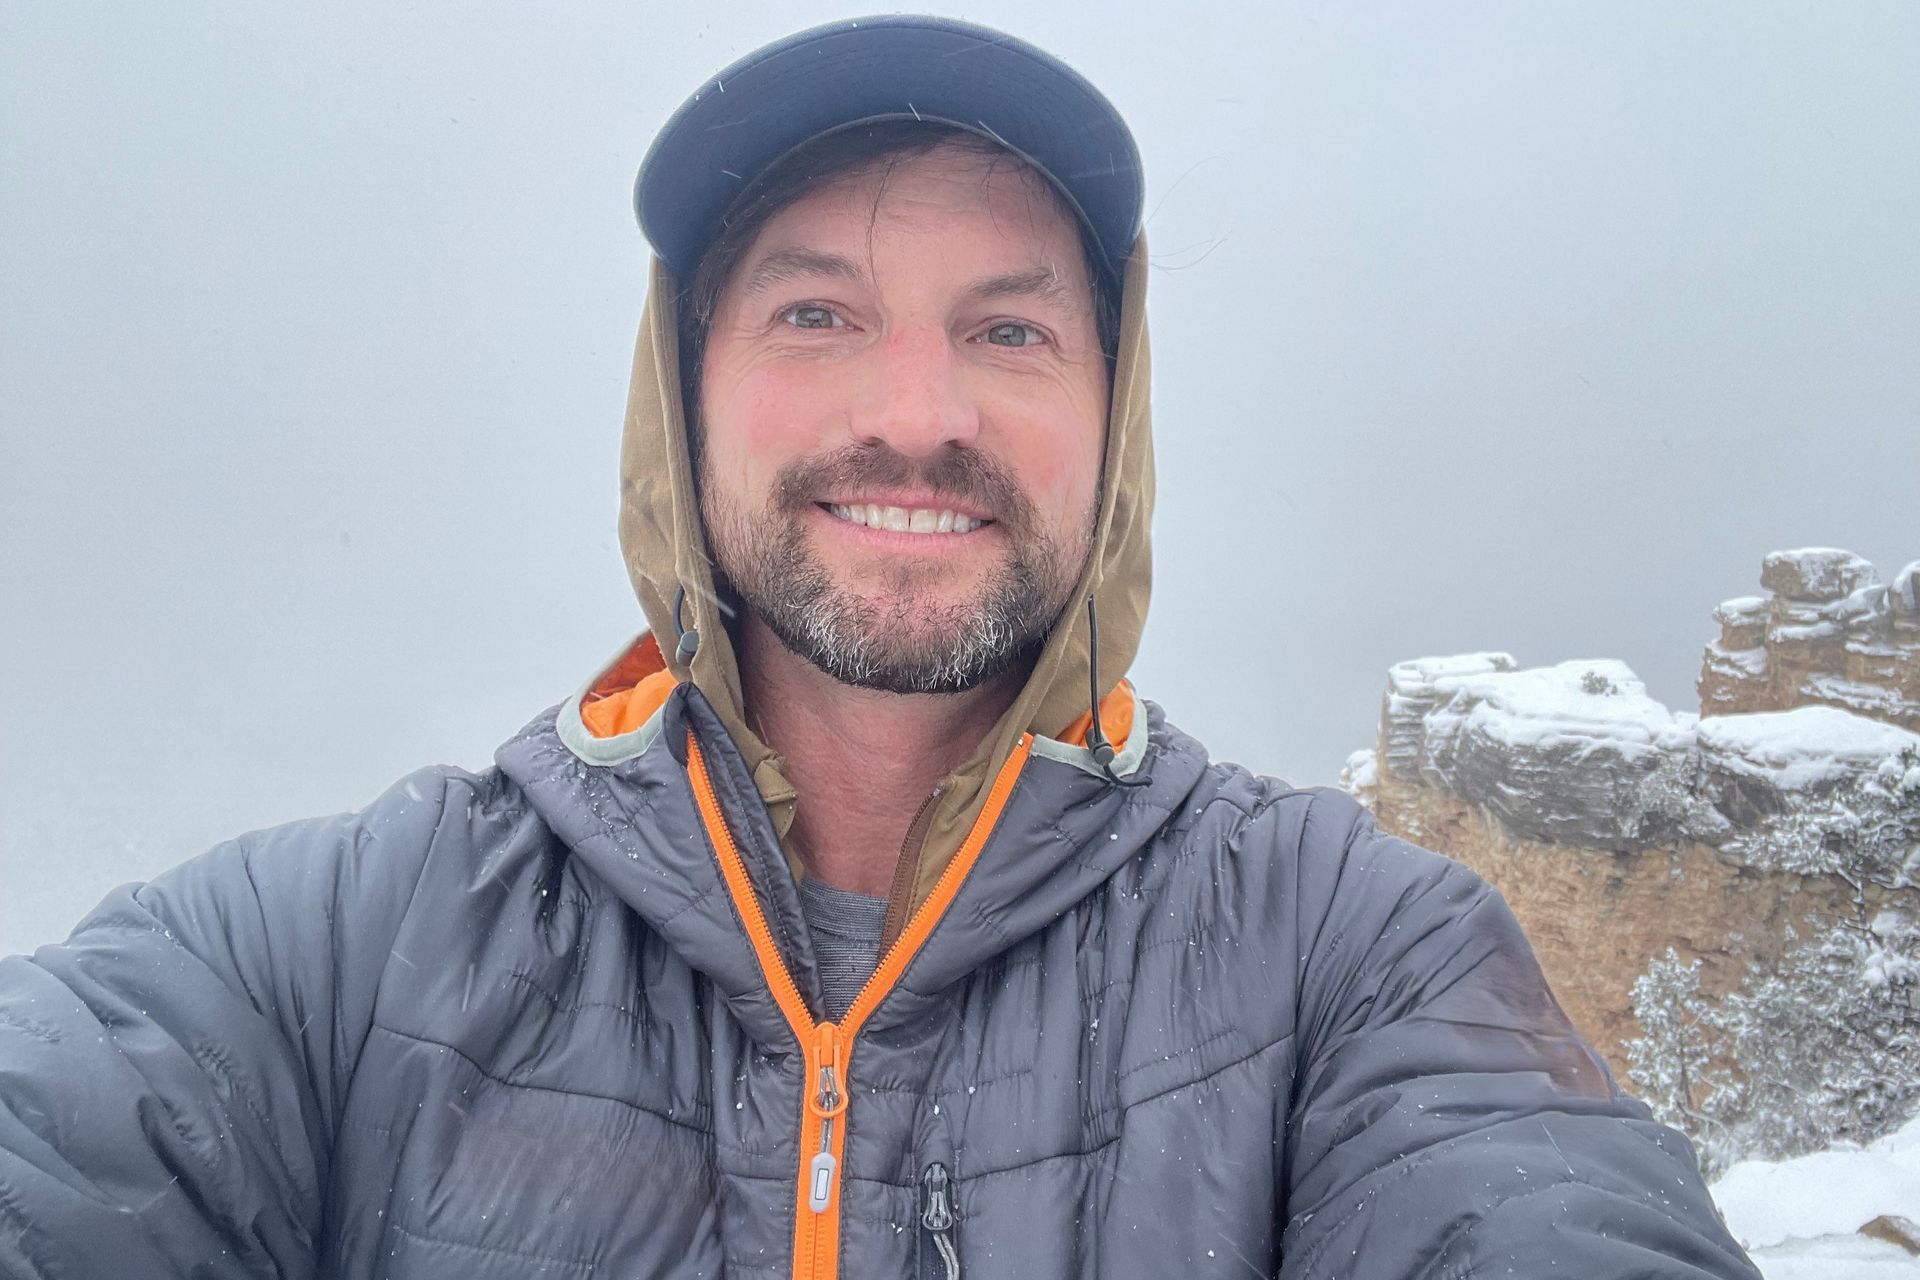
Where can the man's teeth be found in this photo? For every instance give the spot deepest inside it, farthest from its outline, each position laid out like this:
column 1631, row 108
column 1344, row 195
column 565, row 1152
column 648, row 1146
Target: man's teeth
column 902, row 520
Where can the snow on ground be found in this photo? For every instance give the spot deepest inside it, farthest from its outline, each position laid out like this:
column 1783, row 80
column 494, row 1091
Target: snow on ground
column 1848, row 1258
column 1800, row 1219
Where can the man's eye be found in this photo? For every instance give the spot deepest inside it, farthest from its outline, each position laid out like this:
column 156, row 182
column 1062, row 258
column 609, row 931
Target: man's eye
column 1011, row 333
column 811, row 317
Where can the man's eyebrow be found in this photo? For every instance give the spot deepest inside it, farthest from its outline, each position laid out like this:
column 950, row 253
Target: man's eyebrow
column 786, row 264
column 1043, row 283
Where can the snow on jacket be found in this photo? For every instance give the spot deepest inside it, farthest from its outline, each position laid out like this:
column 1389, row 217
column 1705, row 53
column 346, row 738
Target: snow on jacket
column 561, row 1018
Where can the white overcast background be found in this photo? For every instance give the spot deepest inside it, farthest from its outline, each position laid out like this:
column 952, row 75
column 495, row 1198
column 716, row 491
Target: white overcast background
column 1475, row 326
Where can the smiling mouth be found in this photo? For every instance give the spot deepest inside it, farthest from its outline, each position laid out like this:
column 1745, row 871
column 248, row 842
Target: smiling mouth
column 931, row 520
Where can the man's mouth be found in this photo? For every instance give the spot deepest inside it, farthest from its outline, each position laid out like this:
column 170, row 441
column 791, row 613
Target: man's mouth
column 904, row 519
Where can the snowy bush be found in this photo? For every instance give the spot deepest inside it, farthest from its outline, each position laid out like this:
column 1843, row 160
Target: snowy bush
column 1866, row 831
column 1826, row 1047
column 1670, row 1057
column 1665, row 801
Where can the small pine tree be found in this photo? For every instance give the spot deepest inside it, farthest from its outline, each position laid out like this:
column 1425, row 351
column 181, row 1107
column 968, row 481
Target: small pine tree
column 1826, row 1048
column 1668, row 1058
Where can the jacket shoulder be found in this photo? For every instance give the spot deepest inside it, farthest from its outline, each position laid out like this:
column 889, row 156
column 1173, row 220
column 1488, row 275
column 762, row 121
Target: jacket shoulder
column 376, row 853
column 301, row 919
column 1316, row 881
column 1317, row 834
column 1327, row 841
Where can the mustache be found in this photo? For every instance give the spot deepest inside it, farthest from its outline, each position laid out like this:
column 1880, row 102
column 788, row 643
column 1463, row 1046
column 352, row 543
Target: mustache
column 955, row 471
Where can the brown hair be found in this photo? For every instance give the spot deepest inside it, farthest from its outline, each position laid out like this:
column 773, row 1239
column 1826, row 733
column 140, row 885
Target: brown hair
column 831, row 156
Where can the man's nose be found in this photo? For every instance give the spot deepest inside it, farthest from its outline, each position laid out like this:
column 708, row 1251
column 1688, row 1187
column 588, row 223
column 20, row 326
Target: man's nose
column 916, row 398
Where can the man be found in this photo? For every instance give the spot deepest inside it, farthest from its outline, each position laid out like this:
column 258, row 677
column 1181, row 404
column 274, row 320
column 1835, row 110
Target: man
column 858, row 920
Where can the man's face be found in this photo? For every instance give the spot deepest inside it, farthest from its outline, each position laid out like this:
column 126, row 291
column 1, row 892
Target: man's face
column 903, row 408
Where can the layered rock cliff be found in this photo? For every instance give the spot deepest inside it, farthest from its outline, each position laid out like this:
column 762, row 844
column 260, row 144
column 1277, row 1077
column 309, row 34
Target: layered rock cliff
column 1619, row 828
column 1826, row 633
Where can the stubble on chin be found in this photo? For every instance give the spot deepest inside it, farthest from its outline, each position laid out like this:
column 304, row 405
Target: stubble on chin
column 893, row 633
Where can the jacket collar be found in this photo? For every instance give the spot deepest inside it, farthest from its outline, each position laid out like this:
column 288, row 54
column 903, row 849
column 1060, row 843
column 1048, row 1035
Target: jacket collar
column 634, row 821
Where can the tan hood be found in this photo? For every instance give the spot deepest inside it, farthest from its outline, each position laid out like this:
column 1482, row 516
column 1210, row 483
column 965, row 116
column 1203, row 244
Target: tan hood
column 665, row 550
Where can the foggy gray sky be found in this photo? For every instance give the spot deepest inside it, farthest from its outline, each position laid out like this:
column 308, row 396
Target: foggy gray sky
column 1475, row 326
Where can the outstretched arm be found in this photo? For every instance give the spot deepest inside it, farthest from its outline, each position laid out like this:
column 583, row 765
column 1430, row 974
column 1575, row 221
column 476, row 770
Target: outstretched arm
column 1447, row 1120
column 170, row 1075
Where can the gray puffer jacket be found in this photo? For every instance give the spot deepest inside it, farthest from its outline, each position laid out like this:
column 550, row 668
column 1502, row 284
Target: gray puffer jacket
column 522, row 1024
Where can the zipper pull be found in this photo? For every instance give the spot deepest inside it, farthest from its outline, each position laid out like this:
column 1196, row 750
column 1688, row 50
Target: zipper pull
column 937, row 1217
column 827, row 1102
column 820, row 1182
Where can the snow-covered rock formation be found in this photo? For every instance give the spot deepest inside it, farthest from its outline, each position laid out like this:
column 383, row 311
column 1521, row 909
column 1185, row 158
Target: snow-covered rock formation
column 1578, row 754
column 1775, row 833
column 1828, row 632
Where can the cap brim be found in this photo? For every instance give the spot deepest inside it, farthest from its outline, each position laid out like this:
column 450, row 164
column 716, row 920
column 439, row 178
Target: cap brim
column 937, row 69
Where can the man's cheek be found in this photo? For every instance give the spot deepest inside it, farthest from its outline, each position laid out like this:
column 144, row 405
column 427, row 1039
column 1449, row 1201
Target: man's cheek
column 783, row 413
column 1055, row 484
column 731, row 487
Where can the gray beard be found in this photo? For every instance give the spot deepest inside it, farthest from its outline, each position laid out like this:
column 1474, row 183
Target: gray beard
column 898, row 642
column 901, row 643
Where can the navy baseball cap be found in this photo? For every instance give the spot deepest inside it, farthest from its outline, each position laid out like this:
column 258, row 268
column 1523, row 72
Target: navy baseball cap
column 886, row 68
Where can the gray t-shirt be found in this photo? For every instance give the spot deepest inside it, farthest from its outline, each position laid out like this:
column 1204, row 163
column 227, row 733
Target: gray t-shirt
column 846, row 930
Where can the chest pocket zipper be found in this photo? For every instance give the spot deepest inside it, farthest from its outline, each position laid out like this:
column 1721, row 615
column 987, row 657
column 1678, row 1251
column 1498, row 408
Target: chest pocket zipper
column 936, row 1217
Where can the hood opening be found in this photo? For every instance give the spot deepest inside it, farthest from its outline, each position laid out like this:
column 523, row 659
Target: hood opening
column 664, row 546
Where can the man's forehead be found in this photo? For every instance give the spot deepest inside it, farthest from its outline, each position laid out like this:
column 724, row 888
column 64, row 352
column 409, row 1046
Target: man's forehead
column 1034, row 248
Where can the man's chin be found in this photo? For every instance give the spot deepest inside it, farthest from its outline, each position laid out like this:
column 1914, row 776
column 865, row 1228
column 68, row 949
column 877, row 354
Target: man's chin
column 891, row 624
column 919, row 658
column 909, row 673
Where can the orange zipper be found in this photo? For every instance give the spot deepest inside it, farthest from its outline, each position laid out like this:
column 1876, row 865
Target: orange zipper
column 826, row 1047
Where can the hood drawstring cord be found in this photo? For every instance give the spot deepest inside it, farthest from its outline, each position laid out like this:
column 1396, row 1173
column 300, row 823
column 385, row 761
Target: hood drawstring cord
column 1097, row 743
column 688, row 643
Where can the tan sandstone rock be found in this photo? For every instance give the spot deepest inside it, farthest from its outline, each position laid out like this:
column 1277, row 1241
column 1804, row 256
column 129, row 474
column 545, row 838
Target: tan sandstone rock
column 1597, row 918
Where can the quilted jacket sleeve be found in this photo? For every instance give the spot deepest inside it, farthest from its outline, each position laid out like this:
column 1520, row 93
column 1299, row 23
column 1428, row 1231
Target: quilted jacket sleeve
column 1447, row 1120
column 170, row 1075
